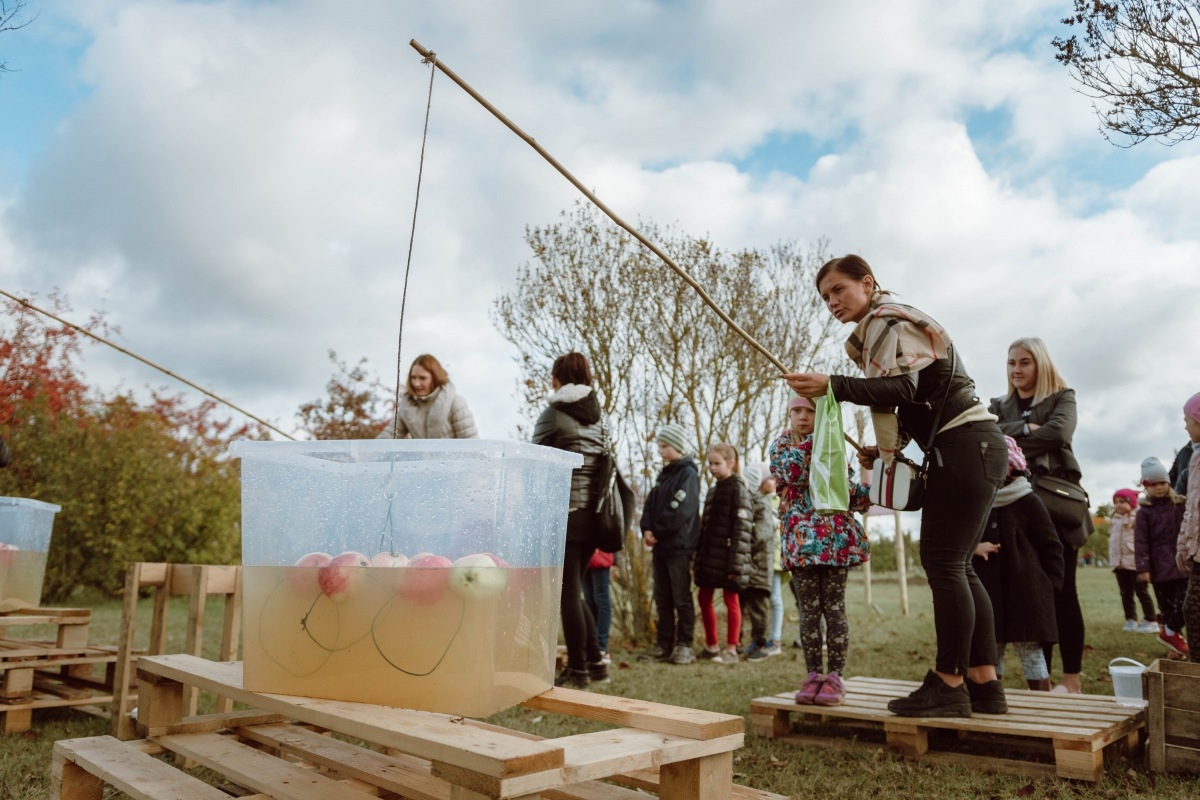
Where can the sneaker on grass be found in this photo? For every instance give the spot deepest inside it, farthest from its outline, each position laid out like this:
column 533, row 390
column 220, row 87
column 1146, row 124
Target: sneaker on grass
column 773, row 648
column 682, row 654
column 656, row 653
column 1173, row 642
column 1147, row 626
column 1130, row 625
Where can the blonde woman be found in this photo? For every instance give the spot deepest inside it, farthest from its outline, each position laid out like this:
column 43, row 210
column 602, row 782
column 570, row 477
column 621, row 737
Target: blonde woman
column 1039, row 413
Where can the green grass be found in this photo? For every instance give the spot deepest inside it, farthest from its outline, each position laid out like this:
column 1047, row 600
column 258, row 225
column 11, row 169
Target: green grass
column 883, row 643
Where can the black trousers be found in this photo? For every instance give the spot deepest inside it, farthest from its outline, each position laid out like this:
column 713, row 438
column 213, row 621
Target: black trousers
column 1171, row 596
column 579, row 626
column 958, row 498
column 1191, row 612
column 1129, row 585
column 1070, row 618
column 673, row 599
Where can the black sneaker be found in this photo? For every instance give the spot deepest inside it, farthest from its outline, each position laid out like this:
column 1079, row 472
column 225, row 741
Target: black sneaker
column 656, row 653
column 704, row 654
column 933, row 699
column 573, row 678
column 598, row 672
column 986, row 697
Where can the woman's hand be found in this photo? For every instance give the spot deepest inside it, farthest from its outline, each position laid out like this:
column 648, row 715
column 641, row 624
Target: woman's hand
column 867, row 456
column 1033, row 426
column 808, row 384
column 985, row 549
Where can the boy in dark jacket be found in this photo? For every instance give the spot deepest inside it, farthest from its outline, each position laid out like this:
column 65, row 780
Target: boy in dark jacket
column 1155, row 534
column 671, row 527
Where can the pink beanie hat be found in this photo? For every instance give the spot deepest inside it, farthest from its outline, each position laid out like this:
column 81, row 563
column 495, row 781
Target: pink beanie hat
column 1016, row 458
column 1128, row 495
column 1192, row 407
column 801, row 402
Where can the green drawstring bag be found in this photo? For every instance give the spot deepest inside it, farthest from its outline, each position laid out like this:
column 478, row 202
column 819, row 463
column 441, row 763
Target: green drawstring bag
column 828, row 477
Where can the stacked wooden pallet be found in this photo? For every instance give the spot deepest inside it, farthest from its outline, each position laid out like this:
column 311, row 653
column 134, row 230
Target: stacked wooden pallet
column 56, row 672
column 1075, row 730
column 280, row 748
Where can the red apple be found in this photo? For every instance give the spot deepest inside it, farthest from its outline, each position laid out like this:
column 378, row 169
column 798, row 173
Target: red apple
column 425, row 579
column 341, row 576
column 304, row 579
column 8, row 553
column 478, row 576
column 497, row 560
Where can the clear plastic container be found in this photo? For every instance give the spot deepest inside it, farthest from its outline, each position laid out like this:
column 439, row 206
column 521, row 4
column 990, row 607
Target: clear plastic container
column 443, row 592
column 25, row 527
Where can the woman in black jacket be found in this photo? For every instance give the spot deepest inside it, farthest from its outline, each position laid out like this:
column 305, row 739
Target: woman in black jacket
column 723, row 556
column 573, row 422
column 1039, row 413
column 917, row 389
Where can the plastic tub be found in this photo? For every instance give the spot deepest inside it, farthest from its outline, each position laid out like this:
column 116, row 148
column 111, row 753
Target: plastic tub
column 25, row 527
column 469, row 638
column 1127, row 681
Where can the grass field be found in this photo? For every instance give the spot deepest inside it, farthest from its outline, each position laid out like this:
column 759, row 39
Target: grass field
column 883, row 643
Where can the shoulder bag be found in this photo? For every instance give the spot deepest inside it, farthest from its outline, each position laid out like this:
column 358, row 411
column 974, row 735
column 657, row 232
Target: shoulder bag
column 901, row 486
column 1069, row 507
column 615, row 501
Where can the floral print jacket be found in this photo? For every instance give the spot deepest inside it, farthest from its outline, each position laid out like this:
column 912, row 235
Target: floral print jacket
column 809, row 539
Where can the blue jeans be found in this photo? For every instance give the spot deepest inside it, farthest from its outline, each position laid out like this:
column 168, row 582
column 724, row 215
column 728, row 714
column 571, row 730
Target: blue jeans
column 596, row 584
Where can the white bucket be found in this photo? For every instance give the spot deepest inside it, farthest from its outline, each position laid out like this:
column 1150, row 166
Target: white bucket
column 1127, row 682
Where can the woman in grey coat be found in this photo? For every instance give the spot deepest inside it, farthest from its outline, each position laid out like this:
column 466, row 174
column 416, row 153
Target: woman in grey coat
column 431, row 408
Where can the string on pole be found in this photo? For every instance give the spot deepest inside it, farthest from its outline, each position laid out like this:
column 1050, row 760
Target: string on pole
column 145, row 361
column 430, row 58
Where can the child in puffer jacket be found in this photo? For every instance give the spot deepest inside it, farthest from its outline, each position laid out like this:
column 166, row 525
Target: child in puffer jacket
column 1122, row 558
column 1155, row 538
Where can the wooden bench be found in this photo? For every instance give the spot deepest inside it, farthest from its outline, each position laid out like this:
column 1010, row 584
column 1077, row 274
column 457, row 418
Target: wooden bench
column 1075, row 729
column 280, row 748
column 51, row 673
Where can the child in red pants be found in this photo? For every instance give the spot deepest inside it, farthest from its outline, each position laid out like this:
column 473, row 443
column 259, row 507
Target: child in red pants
column 723, row 556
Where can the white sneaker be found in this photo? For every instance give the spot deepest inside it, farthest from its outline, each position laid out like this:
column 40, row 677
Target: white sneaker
column 728, row 656
column 1147, row 626
column 605, row 658
column 1130, row 625
column 773, row 648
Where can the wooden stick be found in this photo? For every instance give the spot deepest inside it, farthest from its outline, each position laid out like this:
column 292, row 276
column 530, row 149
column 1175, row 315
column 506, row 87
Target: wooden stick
column 431, row 57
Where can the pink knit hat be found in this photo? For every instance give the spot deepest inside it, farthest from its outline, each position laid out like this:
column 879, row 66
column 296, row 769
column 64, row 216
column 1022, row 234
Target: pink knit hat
column 1128, row 495
column 801, row 402
column 1192, row 407
column 1016, row 458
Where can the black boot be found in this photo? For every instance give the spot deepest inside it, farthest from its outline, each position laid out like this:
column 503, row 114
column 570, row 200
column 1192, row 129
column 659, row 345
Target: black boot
column 933, row 699
column 986, row 697
column 573, row 678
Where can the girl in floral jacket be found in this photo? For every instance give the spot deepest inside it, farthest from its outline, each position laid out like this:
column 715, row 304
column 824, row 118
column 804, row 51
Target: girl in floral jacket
column 818, row 551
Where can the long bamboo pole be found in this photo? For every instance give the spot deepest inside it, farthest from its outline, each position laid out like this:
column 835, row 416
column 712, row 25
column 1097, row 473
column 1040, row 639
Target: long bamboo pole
column 145, row 361
column 431, row 58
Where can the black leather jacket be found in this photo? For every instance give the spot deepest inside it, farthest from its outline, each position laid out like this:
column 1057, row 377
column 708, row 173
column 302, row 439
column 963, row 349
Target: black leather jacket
column 915, row 396
column 575, row 425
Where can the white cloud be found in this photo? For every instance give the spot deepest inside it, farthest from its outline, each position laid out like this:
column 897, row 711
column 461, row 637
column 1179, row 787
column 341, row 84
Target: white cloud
column 236, row 190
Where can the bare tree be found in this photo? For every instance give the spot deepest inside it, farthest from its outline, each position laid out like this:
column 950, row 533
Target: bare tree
column 1141, row 58
column 11, row 19
column 658, row 353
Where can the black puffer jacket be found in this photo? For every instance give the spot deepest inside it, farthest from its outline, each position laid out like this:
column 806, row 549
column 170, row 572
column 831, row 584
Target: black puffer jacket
column 572, row 422
column 726, row 536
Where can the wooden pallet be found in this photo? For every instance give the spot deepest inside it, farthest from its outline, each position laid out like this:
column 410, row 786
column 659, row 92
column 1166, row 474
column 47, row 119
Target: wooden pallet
column 680, row 753
column 1172, row 692
column 1075, row 729
column 197, row 582
column 51, row 673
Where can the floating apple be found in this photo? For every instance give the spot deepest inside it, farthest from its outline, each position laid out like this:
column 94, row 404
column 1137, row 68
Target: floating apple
column 305, row 580
column 425, row 578
column 497, row 560
column 341, row 576
column 478, row 576
column 389, row 560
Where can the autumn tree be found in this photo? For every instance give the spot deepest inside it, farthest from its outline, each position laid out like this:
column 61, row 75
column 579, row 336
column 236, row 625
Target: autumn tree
column 658, row 353
column 1141, row 60
column 136, row 481
column 358, row 405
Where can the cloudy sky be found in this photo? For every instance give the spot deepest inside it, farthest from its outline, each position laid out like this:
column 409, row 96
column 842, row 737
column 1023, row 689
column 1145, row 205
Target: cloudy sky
column 232, row 182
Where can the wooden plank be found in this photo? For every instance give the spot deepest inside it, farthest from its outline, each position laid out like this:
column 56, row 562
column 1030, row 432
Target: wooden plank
column 122, row 726
column 1181, row 759
column 648, row 780
column 256, row 770
column 707, row 778
column 430, row 736
column 1152, row 683
column 211, row 723
column 642, row 714
column 125, row 768
column 47, row 616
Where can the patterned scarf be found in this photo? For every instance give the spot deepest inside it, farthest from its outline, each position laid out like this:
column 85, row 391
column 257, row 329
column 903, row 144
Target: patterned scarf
column 894, row 339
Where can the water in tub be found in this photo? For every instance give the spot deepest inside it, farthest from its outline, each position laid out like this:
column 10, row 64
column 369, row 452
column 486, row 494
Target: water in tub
column 21, row 575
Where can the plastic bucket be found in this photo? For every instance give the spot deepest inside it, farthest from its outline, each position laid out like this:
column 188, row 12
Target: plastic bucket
column 1127, row 681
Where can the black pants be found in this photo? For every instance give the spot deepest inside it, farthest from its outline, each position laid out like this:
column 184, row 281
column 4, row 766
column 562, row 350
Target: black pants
column 756, row 608
column 579, row 627
column 1171, row 595
column 1070, row 618
column 1128, row 583
column 1191, row 613
column 673, row 599
column 958, row 497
